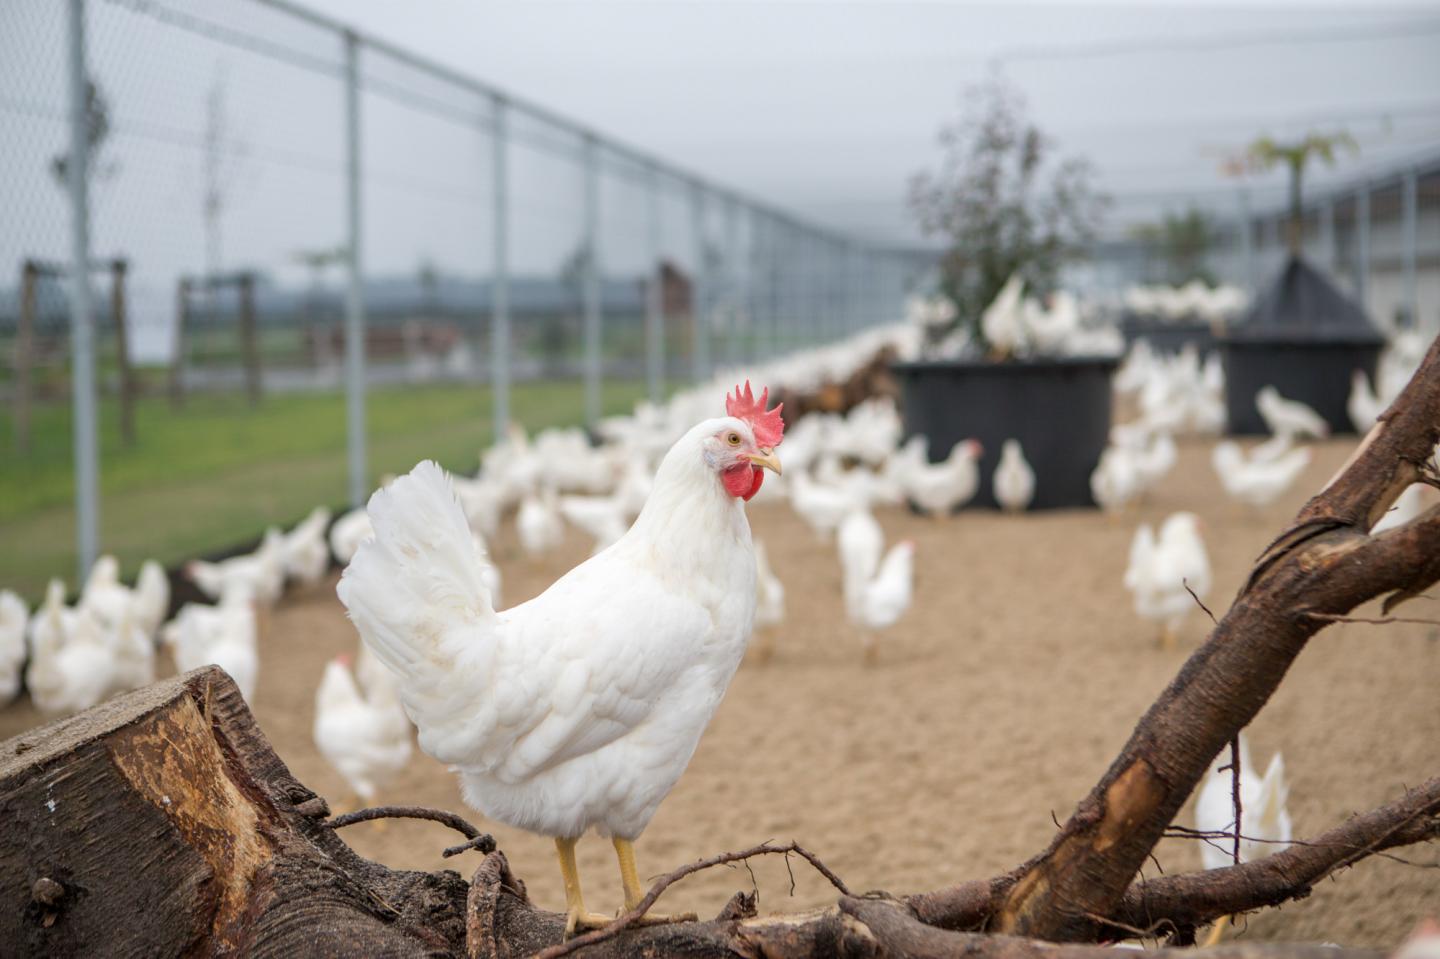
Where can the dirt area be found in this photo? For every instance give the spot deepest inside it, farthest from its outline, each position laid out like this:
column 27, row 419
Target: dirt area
column 997, row 701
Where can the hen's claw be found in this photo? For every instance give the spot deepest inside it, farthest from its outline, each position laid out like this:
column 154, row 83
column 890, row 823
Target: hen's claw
column 579, row 921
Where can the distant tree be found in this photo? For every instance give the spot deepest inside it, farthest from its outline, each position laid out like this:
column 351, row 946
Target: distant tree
column 1266, row 153
column 428, row 275
column 1182, row 242
column 1004, row 202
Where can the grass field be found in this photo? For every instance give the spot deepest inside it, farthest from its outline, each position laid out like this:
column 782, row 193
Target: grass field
column 217, row 472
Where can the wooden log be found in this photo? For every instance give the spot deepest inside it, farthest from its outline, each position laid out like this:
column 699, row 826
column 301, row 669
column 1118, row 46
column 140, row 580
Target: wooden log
column 162, row 823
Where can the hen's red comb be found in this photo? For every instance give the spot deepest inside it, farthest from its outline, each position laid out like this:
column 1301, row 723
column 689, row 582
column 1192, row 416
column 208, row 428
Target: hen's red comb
column 768, row 427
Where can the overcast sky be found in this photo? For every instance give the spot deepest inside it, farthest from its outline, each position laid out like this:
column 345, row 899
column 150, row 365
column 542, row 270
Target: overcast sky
column 827, row 107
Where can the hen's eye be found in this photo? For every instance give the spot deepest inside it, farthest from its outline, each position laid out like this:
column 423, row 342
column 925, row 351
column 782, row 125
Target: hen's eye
column 733, row 439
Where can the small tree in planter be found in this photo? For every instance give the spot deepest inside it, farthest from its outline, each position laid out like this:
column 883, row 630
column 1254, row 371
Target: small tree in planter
column 1006, row 205
column 1008, row 208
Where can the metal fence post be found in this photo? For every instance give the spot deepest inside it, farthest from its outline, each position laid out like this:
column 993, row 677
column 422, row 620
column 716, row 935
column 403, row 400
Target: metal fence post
column 500, row 280
column 1362, row 243
column 354, row 291
column 654, row 293
column 699, row 320
column 1408, row 240
column 732, row 283
column 82, row 314
column 592, row 282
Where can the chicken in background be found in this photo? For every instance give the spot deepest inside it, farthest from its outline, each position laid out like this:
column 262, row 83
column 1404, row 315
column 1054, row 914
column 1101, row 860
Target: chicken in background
column 887, row 597
column 152, row 598
column 1161, row 568
column 260, row 574
column 113, row 602
column 1264, row 827
column 1257, row 481
column 305, row 554
column 1014, row 479
column 1363, row 406
column 538, row 523
column 225, row 635
column 113, row 607
column 769, row 606
column 603, row 518
column 942, row 488
column 1286, row 417
column 362, row 733
column 819, row 505
column 348, row 532
column 581, row 707
column 861, row 542
column 14, row 617
column 72, row 662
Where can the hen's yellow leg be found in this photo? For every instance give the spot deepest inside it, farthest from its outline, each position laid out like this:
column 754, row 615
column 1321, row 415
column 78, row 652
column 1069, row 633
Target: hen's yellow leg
column 1217, row 931
column 634, row 892
column 576, row 918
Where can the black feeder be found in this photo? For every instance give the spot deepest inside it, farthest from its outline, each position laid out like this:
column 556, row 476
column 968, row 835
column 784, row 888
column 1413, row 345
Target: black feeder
column 1306, row 339
column 1167, row 338
column 1059, row 410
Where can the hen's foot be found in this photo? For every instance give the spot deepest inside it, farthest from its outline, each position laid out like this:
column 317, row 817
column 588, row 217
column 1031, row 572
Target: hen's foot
column 579, row 921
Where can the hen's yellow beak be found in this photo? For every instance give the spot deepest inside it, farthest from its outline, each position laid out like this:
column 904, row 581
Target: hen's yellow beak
column 767, row 459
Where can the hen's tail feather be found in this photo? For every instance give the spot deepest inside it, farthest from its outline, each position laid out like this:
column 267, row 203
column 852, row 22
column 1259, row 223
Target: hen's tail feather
column 418, row 578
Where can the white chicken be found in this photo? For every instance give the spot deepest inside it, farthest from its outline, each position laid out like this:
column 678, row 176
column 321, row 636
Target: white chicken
column 1363, row 406
column 14, row 617
column 1285, row 417
column 1014, row 480
column 538, row 523
column 1264, row 476
column 603, row 518
column 580, row 708
column 152, row 598
column 363, row 734
column 1265, row 826
column 769, row 605
column 887, row 596
column 1003, row 321
column 260, row 574
column 113, row 607
column 1161, row 569
column 483, row 500
column 348, row 532
column 820, row 505
column 72, row 663
column 305, row 555
column 224, row 635
column 860, row 541
column 941, row 489
column 1115, row 481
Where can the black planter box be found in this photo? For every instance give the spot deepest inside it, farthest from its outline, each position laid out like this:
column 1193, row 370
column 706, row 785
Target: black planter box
column 1059, row 410
column 1316, row 373
column 1167, row 337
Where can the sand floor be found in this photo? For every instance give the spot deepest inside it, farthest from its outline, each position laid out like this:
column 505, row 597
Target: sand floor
column 998, row 701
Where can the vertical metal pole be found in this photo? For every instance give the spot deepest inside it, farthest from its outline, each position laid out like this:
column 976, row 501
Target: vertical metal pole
column 82, row 315
column 699, row 320
column 500, row 276
column 354, row 291
column 1327, row 235
column 654, row 295
column 592, row 282
column 1362, row 243
column 733, row 312
column 1410, row 201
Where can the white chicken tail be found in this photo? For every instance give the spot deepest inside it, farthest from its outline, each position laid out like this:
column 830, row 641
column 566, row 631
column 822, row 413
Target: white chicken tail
column 416, row 592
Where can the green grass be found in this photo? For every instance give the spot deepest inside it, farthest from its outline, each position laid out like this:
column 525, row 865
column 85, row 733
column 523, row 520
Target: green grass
column 217, row 472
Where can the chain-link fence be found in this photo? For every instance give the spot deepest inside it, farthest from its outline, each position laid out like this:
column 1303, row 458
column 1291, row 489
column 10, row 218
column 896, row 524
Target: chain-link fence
column 315, row 258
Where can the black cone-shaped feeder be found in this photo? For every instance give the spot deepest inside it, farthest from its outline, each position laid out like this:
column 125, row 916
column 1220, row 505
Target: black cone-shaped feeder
column 1303, row 337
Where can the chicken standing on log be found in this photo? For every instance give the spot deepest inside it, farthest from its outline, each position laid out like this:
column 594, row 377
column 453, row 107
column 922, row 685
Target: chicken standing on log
column 582, row 707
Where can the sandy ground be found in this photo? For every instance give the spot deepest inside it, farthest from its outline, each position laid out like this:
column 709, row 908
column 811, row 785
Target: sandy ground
column 998, row 701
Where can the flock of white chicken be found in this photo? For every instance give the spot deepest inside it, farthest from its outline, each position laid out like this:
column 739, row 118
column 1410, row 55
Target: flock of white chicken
column 838, row 469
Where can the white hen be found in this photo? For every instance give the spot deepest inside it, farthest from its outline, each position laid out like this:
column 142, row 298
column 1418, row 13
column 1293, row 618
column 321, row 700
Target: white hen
column 603, row 518
column 581, row 707
column 1261, row 479
column 260, row 574
column 223, row 635
column 348, row 532
column 861, row 542
column 305, row 555
column 72, row 663
column 538, row 523
column 1162, row 567
column 1285, row 417
column 364, row 735
column 888, row 595
column 941, row 489
column 14, row 616
column 1014, row 480
column 1363, row 406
